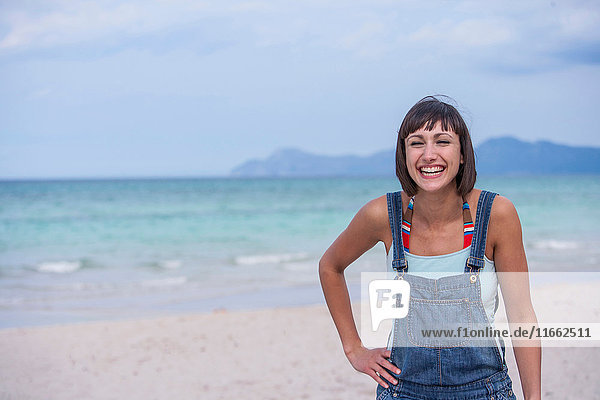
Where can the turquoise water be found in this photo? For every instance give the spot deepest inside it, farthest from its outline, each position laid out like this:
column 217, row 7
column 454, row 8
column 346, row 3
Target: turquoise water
column 78, row 250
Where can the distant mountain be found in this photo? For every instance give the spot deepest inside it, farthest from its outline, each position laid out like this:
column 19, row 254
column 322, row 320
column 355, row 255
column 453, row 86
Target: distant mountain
column 510, row 156
column 498, row 156
column 294, row 162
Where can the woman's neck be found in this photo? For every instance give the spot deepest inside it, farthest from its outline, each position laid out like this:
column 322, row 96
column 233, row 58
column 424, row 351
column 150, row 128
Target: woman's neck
column 437, row 208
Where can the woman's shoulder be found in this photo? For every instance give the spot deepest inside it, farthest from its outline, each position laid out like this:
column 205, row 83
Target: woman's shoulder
column 504, row 219
column 376, row 209
column 502, row 207
column 375, row 214
column 379, row 206
column 503, row 213
column 503, row 224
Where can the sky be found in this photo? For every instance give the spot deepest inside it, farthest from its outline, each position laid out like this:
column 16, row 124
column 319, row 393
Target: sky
column 191, row 88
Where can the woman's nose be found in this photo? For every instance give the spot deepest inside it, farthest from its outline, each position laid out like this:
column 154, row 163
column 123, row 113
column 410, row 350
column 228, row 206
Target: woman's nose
column 429, row 152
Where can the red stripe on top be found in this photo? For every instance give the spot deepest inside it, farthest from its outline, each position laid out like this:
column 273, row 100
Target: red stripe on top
column 405, row 238
column 467, row 241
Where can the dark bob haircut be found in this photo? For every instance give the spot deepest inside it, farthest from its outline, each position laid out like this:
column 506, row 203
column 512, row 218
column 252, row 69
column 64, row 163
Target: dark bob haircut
column 425, row 114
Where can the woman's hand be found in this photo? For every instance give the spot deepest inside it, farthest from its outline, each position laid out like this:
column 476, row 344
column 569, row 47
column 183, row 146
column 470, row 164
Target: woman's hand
column 372, row 362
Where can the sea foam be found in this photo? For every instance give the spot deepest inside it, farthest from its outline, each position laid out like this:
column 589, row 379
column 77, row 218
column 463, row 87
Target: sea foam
column 554, row 245
column 174, row 281
column 270, row 258
column 171, row 264
column 59, row 267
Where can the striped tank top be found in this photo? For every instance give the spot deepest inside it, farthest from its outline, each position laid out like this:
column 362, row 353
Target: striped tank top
column 468, row 226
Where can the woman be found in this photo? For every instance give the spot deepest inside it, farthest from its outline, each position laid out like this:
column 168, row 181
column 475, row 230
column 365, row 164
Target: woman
column 429, row 227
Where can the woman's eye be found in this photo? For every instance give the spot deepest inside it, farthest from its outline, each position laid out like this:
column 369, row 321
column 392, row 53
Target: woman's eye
column 415, row 143
column 443, row 141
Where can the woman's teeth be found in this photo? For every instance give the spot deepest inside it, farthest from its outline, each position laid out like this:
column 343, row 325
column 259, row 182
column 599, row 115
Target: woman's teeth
column 429, row 171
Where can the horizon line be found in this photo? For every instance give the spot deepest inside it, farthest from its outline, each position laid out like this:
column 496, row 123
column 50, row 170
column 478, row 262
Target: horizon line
column 236, row 177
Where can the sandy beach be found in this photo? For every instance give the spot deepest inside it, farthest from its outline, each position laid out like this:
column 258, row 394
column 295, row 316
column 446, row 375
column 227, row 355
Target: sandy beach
column 261, row 354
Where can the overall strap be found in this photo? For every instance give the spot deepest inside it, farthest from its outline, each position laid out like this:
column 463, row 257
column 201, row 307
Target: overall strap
column 394, row 202
column 484, row 208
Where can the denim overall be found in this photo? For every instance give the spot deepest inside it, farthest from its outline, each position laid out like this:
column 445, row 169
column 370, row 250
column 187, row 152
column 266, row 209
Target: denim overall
column 445, row 368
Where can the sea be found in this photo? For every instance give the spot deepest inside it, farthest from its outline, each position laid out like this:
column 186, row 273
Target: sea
column 85, row 250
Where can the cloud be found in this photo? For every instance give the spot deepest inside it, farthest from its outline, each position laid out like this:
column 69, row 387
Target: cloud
column 518, row 38
column 581, row 24
column 246, row 6
column 471, row 33
column 579, row 39
column 580, row 53
column 369, row 40
column 521, row 36
column 40, row 93
column 79, row 22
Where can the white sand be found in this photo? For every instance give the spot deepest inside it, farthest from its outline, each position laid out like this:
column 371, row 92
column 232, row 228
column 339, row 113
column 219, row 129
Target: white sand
column 265, row 354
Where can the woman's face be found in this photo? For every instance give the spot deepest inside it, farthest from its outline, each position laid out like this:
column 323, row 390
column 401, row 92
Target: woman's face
column 433, row 158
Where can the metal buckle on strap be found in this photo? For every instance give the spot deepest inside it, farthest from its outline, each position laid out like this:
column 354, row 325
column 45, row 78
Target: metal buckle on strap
column 475, row 262
column 400, row 266
column 400, row 263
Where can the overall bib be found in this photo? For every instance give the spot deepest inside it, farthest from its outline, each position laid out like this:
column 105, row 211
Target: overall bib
column 449, row 367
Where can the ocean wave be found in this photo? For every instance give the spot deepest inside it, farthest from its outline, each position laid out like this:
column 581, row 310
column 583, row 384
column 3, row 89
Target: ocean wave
column 91, row 287
column 59, row 267
column 270, row 258
column 170, row 264
column 174, row 281
column 554, row 245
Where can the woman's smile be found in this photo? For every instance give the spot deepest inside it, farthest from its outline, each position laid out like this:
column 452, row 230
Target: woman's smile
column 432, row 171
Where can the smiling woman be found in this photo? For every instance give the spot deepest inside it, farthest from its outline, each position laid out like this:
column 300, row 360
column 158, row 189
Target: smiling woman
column 435, row 164
column 433, row 156
column 447, row 129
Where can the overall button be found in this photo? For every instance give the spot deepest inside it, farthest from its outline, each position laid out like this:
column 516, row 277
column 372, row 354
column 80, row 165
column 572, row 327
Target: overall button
column 395, row 394
column 473, row 278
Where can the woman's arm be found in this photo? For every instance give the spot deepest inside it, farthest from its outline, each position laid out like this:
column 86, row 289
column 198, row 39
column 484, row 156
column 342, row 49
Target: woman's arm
column 364, row 231
column 509, row 256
